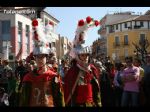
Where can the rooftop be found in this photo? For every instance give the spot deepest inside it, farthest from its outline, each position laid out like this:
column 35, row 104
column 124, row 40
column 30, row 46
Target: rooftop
column 148, row 12
column 136, row 18
column 51, row 16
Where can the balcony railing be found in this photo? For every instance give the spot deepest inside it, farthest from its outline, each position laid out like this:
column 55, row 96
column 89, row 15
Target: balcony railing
column 125, row 43
column 121, row 44
column 137, row 27
column 116, row 44
column 129, row 27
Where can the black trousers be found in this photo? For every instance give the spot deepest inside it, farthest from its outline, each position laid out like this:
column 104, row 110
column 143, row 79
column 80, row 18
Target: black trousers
column 147, row 95
column 118, row 96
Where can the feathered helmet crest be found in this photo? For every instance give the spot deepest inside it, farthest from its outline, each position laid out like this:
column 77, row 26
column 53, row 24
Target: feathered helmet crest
column 80, row 34
column 40, row 37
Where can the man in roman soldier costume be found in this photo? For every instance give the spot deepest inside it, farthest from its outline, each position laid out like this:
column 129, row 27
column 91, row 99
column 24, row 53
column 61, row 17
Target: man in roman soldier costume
column 81, row 87
column 41, row 87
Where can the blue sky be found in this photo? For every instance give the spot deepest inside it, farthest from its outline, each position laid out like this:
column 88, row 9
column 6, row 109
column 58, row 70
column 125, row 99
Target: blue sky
column 69, row 16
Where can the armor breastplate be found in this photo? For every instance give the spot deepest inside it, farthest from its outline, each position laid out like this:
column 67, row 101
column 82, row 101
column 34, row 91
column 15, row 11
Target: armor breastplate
column 41, row 94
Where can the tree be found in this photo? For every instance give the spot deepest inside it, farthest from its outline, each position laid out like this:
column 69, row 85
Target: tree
column 141, row 49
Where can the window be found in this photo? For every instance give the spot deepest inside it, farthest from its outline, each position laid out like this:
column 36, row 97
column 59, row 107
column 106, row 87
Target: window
column 117, row 40
column 111, row 29
column 27, row 39
column 117, row 27
column 50, row 45
column 141, row 24
column 53, row 44
column 126, row 39
column 6, row 27
column 5, row 44
column 19, row 35
column 27, row 30
column 142, row 37
column 125, row 25
column 125, row 52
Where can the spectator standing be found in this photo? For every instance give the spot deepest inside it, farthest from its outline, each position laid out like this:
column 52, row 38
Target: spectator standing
column 147, row 80
column 11, row 88
column 130, row 79
column 118, row 84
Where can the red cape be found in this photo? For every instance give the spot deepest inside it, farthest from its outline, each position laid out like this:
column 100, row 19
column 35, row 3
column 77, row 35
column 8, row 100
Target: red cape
column 70, row 79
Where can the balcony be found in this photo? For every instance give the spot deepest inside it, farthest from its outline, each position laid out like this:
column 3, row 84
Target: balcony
column 137, row 27
column 129, row 27
column 116, row 44
column 121, row 44
column 125, row 43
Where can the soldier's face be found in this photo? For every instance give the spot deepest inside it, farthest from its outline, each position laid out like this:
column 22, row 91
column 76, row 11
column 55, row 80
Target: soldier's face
column 41, row 60
column 83, row 57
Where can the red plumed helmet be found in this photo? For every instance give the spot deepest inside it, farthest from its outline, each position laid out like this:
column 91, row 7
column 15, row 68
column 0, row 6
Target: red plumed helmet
column 51, row 23
column 88, row 19
column 81, row 22
column 34, row 23
column 96, row 23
